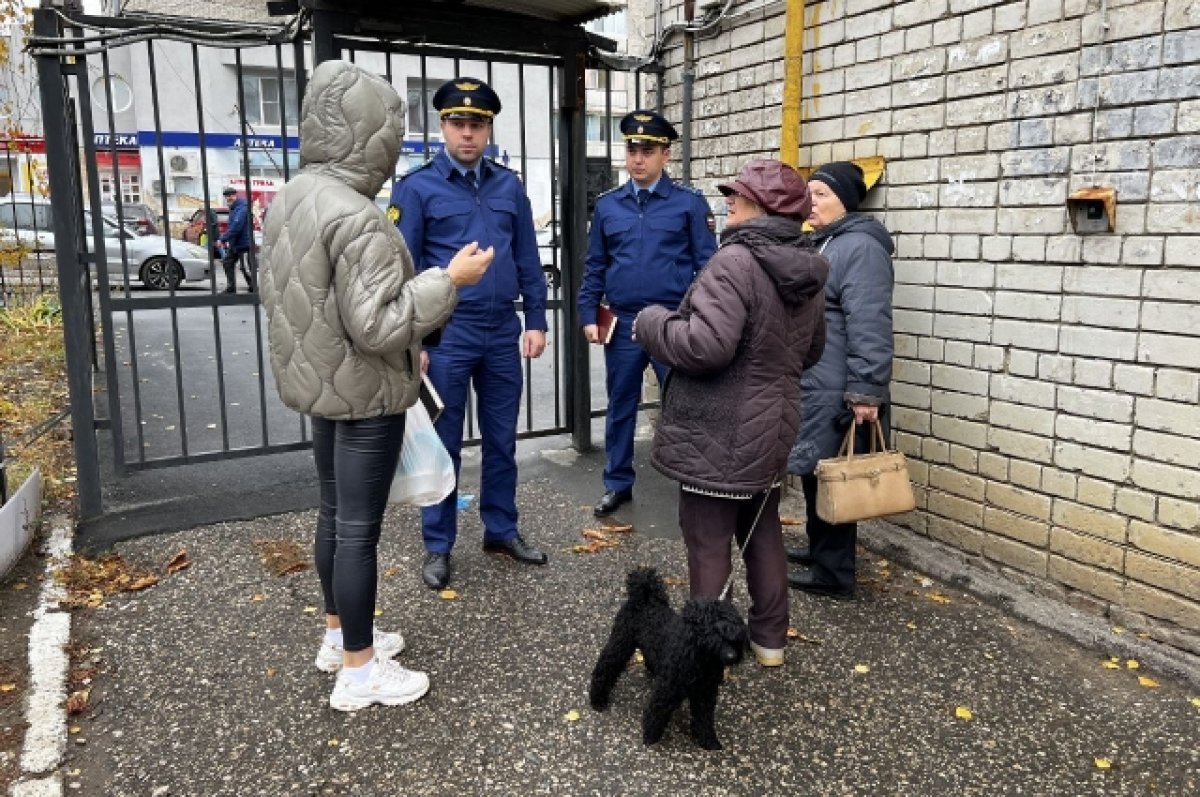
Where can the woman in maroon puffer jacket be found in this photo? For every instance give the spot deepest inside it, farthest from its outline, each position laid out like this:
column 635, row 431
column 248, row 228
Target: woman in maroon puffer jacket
column 747, row 328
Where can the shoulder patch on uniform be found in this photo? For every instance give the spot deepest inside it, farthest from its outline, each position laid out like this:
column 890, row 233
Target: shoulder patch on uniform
column 393, row 214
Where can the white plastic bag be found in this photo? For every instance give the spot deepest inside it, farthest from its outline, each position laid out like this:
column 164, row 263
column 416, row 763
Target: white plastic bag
column 425, row 474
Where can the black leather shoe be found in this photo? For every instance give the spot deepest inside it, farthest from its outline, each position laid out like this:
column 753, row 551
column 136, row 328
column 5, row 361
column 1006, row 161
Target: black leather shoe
column 436, row 570
column 800, row 556
column 612, row 501
column 516, row 548
column 806, row 582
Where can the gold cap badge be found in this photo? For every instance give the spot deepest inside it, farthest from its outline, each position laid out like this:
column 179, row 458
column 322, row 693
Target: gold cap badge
column 641, row 117
column 466, row 85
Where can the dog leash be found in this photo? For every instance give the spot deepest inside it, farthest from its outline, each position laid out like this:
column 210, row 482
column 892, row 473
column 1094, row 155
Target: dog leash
column 733, row 571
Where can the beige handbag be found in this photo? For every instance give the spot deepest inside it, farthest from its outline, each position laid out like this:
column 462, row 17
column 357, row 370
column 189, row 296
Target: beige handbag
column 852, row 488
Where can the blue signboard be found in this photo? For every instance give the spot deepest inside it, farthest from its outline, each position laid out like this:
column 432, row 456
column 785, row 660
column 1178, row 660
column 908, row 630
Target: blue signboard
column 185, row 138
column 115, row 140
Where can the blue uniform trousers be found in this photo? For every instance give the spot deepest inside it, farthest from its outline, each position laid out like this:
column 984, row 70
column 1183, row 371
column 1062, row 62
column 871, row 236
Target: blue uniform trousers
column 486, row 356
column 624, row 362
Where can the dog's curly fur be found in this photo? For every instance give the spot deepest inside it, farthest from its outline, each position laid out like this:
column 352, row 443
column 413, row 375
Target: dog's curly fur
column 685, row 653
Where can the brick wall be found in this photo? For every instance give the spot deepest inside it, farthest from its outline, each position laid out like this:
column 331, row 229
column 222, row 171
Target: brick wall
column 1047, row 384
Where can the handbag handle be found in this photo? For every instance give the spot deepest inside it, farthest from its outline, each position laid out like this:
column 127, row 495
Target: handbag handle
column 877, row 439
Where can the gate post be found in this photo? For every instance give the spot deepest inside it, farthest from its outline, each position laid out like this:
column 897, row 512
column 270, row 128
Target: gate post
column 574, row 221
column 58, row 127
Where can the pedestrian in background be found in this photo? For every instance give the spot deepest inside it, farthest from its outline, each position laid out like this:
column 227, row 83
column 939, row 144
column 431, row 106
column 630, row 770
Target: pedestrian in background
column 649, row 238
column 457, row 197
column 345, row 318
column 850, row 383
column 744, row 333
column 236, row 241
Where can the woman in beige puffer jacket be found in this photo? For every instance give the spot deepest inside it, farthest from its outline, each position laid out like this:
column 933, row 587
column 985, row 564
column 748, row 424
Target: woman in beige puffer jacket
column 346, row 316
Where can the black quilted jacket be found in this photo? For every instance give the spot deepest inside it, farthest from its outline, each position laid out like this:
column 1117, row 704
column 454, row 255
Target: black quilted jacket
column 747, row 328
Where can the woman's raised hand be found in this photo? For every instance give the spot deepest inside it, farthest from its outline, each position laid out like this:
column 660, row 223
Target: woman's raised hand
column 468, row 266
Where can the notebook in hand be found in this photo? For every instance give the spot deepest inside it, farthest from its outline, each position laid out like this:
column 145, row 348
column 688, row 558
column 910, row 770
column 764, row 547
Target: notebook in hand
column 431, row 398
column 606, row 323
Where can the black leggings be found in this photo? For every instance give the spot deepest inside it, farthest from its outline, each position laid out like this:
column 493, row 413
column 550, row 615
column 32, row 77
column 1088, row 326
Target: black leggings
column 356, row 461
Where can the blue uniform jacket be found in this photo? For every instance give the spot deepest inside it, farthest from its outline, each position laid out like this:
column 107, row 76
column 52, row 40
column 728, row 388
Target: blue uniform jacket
column 238, row 234
column 637, row 259
column 439, row 214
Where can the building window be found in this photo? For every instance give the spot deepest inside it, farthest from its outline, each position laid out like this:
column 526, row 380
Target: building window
column 420, row 108
column 262, row 99
column 131, row 188
column 601, row 127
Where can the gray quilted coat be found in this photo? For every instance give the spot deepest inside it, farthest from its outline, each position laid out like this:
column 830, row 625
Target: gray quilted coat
column 748, row 326
column 345, row 312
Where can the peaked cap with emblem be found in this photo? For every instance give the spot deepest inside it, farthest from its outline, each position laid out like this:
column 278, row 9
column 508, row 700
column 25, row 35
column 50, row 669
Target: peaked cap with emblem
column 466, row 98
column 647, row 127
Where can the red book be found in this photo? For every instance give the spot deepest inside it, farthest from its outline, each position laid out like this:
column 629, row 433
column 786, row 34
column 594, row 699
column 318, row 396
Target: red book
column 606, row 323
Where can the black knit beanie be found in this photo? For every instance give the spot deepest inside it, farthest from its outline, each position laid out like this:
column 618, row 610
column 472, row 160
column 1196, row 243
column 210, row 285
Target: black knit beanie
column 845, row 179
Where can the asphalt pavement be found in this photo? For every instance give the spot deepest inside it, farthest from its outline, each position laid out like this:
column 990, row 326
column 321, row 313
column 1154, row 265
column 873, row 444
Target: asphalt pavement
column 206, row 683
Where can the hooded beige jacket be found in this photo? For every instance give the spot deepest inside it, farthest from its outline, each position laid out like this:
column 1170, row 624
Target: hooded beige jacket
column 345, row 312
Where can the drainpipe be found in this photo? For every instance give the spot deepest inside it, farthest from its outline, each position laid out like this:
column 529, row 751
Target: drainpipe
column 793, row 82
column 689, row 80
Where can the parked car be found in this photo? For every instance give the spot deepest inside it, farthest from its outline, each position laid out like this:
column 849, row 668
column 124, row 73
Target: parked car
column 30, row 222
column 133, row 214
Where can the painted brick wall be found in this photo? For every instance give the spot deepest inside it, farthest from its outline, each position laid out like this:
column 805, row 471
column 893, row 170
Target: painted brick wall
column 1047, row 384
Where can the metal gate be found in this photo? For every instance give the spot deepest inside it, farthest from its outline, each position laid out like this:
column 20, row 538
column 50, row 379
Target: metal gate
column 181, row 373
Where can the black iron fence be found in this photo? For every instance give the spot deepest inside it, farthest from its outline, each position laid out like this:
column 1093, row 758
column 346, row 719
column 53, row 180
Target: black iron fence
column 181, row 364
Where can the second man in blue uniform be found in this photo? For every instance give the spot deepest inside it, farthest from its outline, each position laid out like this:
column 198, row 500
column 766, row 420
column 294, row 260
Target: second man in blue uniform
column 456, row 198
column 649, row 238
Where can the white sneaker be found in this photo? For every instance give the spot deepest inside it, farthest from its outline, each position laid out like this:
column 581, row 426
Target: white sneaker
column 767, row 657
column 389, row 684
column 387, row 644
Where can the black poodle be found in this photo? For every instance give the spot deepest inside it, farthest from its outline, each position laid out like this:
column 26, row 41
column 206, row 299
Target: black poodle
column 686, row 653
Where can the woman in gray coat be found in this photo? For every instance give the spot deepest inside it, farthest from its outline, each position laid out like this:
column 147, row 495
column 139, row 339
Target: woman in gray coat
column 345, row 318
column 746, row 329
column 850, row 383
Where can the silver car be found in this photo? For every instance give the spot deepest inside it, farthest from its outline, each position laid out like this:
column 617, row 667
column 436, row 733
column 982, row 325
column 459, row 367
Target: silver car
column 29, row 221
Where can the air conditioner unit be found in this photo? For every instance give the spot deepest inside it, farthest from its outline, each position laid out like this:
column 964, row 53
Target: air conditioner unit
column 184, row 163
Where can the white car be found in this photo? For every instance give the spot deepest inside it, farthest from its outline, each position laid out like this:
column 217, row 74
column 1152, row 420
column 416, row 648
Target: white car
column 30, row 222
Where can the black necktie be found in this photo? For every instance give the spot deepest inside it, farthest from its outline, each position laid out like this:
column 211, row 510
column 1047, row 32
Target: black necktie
column 470, row 178
column 642, row 195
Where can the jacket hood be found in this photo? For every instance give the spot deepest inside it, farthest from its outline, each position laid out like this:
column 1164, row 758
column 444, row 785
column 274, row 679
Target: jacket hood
column 856, row 222
column 781, row 249
column 351, row 127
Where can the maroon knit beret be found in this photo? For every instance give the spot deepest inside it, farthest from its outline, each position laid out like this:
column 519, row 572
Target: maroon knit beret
column 772, row 185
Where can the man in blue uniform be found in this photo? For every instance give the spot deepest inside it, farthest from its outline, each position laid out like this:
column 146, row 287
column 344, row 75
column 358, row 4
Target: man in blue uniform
column 649, row 239
column 454, row 199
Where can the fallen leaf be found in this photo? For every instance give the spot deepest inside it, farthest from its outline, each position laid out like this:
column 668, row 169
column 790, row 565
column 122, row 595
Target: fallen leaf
column 271, row 672
column 7, row 687
column 178, row 562
column 378, row 612
column 1116, row 629
column 938, row 597
column 619, row 528
column 78, row 701
column 258, row 597
column 793, row 633
column 1149, row 683
column 281, row 557
column 145, row 582
column 74, row 729
column 1103, row 763
column 911, row 626
column 334, row 742
column 1195, row 701
column 674, row 581
column 925, row 583
column 571, row 716
column 1110, row 665
column 20, row 585
column 447, row 594
column 594, row 534
column 1132, row 664
column 963, row 713
column 788, row 520
column 310, row 609
column 391, row 572
column 861, row 669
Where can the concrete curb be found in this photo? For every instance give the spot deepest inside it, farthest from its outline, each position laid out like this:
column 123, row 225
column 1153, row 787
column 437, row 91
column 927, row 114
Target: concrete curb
column 46, row 737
